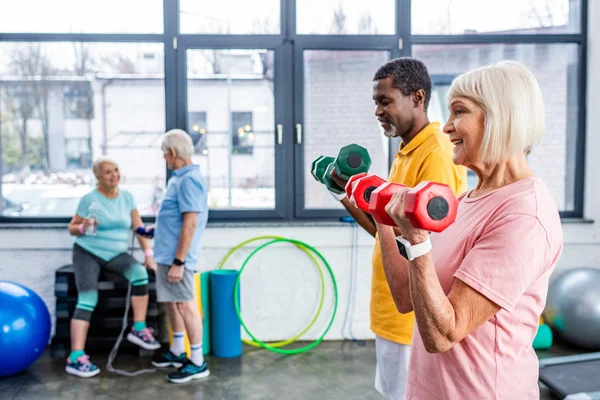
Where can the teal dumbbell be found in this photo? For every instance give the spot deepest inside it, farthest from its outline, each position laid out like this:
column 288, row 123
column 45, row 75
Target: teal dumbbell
column 319, row 165
column 351, row 160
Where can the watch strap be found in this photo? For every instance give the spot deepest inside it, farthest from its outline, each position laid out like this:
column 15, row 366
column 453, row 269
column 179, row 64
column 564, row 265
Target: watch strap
column 409, row 251
column 177, row 261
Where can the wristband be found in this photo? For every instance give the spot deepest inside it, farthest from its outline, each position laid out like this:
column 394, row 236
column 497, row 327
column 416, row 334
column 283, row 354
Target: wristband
column 148, row 252
column 81, row 229
column 178, row 262
column 412, row 251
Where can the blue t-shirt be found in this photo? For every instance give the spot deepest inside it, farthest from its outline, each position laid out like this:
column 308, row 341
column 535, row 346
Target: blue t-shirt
column 114, row 223
column 186, row 192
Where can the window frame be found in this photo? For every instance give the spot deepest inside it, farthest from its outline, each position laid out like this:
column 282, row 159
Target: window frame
column 288, row 47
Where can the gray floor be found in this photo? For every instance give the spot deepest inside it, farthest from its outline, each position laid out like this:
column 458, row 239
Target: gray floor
column 334, row 370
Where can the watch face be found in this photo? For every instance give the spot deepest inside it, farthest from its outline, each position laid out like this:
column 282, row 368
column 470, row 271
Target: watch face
column 402, row 249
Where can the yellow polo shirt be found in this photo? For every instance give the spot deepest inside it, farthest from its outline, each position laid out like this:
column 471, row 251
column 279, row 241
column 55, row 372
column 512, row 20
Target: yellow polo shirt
column 427, row 157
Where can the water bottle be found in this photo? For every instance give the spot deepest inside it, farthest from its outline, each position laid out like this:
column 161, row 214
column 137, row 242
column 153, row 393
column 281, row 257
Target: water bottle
column 93, row 216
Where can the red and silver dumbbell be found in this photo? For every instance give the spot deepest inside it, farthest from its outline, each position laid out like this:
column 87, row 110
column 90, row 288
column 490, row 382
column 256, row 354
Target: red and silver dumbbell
column 430, row 206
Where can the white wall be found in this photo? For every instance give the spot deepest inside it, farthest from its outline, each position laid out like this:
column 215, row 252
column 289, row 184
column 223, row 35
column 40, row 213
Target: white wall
column 281, row 287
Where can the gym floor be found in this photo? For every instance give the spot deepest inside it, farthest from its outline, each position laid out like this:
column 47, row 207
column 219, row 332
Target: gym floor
column 334, row 370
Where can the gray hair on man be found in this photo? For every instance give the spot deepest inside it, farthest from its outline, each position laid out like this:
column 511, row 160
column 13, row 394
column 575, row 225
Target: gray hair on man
column 178, row 141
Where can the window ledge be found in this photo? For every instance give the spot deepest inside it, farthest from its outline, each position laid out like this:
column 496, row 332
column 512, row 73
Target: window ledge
column 248, row 224
column 216, row 224
column 571, row 220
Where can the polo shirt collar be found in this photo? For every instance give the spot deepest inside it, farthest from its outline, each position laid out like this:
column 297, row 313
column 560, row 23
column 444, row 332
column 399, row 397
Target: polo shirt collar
column 419, row 139
column 184, row 170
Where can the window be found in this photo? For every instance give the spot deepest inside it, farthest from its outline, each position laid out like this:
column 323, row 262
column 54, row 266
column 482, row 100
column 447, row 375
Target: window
column 513, row 17
column 239, row 160
column 78, row 103
column 197, row 130
column 338, row 110
column 230, row 17
column 77, row 16
column 51, row 132
column 263, row 88
column 242, row 135
column 346, row 17
column 553, row 66
column 79, row 153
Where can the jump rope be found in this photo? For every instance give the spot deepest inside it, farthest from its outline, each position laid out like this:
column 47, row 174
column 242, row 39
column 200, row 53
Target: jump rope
column 348, row 324
column 346, row 327
column 115, row 349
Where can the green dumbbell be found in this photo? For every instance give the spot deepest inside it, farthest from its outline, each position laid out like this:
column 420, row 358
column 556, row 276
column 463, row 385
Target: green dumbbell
column 330, row 183
column 352, row 160
column 319, row 166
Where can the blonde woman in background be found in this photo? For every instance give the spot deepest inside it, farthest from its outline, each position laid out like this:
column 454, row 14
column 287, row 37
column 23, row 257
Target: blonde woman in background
column 102, row 225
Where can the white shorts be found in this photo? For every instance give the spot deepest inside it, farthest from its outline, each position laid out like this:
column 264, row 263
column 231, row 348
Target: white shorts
column 392, row 368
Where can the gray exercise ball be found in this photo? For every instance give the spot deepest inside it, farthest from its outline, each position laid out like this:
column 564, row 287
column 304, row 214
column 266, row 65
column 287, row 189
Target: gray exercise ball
column 573, row 307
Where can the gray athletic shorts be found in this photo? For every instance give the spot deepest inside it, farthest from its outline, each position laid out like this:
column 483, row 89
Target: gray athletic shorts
column 87, row 270
column 174, row 292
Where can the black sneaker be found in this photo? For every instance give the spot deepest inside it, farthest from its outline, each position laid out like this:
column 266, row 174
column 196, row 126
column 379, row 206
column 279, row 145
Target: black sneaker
column 168, row 359
column 188, row 372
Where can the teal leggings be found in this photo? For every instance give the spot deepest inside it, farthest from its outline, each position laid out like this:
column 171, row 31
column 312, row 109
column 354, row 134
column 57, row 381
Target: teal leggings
column 87, row 269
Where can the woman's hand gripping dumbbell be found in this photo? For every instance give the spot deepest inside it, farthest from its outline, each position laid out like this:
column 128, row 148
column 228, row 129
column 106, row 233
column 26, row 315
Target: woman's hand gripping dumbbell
column 429, row 206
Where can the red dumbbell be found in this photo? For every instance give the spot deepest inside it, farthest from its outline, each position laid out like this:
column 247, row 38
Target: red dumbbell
column 350, row 186
column 429, row 205
column 360, row 187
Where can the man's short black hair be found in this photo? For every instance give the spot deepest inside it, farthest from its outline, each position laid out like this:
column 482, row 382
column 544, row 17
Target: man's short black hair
column 408, row 75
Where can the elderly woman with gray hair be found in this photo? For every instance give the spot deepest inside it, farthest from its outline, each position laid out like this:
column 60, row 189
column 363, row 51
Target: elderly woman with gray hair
column 478, row 288
column 180, row 223
column 102, row 225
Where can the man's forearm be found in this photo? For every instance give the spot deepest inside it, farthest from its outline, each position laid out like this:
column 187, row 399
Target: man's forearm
column 396, row 268
column 360, row 217
column 185, row 239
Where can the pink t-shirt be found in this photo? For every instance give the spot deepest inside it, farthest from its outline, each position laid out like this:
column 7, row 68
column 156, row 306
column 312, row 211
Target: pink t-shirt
column 503, row 244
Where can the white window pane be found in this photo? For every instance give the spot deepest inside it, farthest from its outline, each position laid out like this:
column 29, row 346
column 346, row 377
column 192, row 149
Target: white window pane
column 454, row 17
column 346, row 17
column 231, row 17
column 339, row 110
column 231, row 113
column 81, row 16
column 555, row 66
column 64, row 104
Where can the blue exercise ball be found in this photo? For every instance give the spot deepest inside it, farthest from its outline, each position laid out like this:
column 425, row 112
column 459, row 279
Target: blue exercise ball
column 24, row 327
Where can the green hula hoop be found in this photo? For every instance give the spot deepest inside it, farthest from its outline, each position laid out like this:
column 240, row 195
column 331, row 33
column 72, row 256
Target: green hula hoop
column 321, row 301
column 237, row 299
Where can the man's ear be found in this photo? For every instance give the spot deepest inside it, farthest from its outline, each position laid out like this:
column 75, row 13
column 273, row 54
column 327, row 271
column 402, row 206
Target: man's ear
column 419, row 97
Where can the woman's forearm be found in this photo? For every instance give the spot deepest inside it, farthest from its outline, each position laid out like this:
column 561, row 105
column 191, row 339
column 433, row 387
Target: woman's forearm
column 396, row 269
column 75, row 229
column 144, row 243
column 434, row 313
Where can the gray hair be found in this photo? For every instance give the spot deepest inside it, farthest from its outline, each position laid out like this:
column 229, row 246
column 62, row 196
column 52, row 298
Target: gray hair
column 180, row 142
column 513, row 104
column 98, row 164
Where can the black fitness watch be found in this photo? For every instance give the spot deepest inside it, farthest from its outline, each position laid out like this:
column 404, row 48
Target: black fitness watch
column 178, row 262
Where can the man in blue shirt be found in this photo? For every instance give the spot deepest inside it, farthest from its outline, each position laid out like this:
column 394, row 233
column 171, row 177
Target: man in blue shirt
column 180, row 223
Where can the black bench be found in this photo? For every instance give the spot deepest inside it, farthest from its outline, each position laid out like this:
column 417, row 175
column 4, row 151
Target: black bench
column 106, row 321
